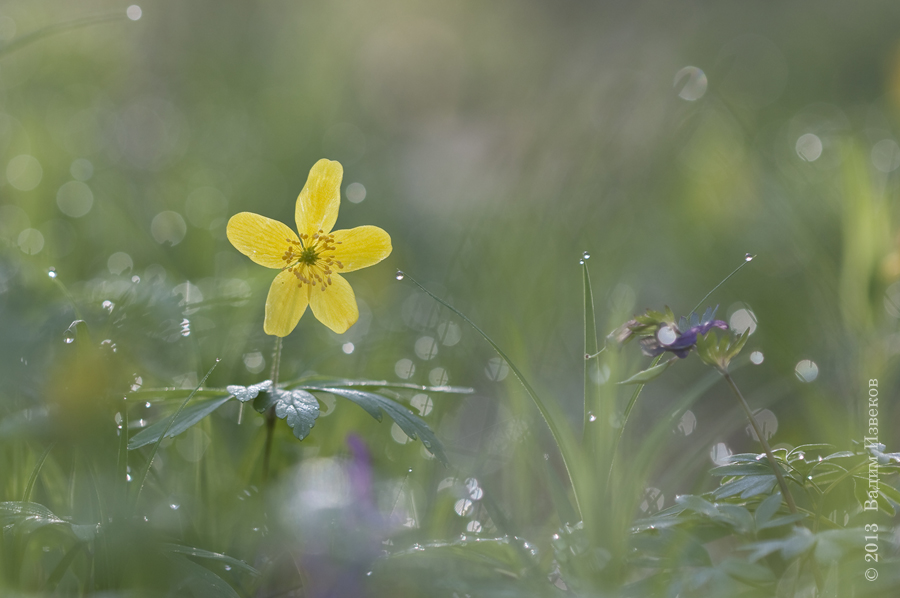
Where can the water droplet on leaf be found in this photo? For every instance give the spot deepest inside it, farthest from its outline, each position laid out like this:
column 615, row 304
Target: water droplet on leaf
column 108, row 306
column 748, row 257
column 51, row 272
column 399, row 275
column 586, row 255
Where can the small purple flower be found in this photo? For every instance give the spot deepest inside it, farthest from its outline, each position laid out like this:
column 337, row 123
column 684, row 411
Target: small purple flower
column 657, row 332
column 681, row 343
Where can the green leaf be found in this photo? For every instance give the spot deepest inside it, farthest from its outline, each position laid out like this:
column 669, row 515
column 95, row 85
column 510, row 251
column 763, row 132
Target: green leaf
column 200, row 581
column 748, row 468
column 298, row 408
column 248, row 393
column 734, row 349
column 767, row 508
column 186, row 418
column 746, row 486
column 784, row 520
column 215, row 556
column 697, row 504
column 319, row 382
column 737, row 517
column 649, row 373
column 411, row 424
column 751, row 573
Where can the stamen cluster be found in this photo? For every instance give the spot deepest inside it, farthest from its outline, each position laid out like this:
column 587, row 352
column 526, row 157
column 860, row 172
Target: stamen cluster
column 311, row 259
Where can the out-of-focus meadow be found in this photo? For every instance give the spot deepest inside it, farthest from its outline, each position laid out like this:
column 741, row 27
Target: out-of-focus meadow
column 495, row 142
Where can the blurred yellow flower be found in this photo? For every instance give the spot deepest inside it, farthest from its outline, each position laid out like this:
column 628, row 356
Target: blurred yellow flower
column 310, row 263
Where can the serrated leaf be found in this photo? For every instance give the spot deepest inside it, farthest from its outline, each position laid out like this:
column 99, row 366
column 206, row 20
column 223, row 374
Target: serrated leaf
column 767, row 508
column 697, row 504
column 411, row 424
column 187, row 418
column 649, row 373
column 298, row 408
column 248, row 393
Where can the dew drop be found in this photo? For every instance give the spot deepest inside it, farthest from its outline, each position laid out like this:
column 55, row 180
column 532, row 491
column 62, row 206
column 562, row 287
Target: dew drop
column 135, row 279
column 757, row 357
column 667, row 335
column 228, row 567
column 69, row 336
column 368, row 574
column 185, row 327
column 108, row 306
column 138, row 382
column 51, row 272
column 581, row 261
column 592, row 417
column 399, row 275
column 147, row 404
column 586, row 255
column 174, row 506
column 748, row 257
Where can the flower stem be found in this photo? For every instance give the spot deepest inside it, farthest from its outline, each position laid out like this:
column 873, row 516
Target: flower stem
column 772, row 463
column 270, row 413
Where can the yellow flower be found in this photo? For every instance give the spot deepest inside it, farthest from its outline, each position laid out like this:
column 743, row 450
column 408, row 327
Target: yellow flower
column 310, row 264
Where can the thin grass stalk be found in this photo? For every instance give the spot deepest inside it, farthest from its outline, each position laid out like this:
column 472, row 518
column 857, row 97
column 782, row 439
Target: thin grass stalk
column 789, row 499
column 567, row 449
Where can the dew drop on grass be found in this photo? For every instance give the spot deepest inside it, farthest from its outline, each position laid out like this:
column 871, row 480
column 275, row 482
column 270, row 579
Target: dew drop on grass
column 586, row 256
column 185, row 327
column 138, row 382
column 581, row 261
column 108, row 306
column 748, row 257
column 174, row 506
column 592, row 417
column 399, row 275
column 757, row 357
column 69, row 336
column 147, row 404
column 51, row 272
column 135, row 279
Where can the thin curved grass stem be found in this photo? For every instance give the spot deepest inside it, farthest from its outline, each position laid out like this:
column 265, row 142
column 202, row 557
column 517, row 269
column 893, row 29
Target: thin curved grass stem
column 568, row 455
column 759, row 435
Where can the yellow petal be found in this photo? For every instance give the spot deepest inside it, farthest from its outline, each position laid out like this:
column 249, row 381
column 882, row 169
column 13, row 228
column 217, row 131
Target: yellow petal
column 261, row 239
column 285, row 304
column 361, row 247
column 317, row 205
column 336, row 305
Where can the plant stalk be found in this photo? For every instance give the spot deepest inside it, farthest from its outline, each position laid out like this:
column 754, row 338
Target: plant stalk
column 781, row 483
column 270, row 412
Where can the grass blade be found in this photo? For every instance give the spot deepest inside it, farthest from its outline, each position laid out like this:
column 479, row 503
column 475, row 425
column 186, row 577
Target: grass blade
column 155, row 449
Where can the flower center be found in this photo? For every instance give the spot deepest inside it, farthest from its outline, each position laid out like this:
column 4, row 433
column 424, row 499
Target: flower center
column 311, row 259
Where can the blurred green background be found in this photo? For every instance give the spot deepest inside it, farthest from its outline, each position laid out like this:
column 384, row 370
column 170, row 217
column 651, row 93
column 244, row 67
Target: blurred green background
column 495, row 142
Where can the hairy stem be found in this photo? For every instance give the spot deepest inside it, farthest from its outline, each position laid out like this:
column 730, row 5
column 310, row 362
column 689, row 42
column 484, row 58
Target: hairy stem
column 772, row 463
column 270, row 413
